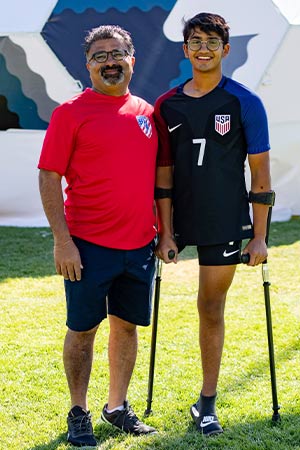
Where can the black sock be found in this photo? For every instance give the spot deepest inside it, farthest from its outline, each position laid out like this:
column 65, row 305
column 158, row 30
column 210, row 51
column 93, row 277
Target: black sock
column 206, row 405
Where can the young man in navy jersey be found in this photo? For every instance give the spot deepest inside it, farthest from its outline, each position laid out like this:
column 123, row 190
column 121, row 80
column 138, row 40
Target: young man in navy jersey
column 207, row 127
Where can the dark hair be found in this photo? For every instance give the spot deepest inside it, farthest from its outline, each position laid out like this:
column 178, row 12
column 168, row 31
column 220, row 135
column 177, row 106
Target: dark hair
column 207, row 22
column 108, row 32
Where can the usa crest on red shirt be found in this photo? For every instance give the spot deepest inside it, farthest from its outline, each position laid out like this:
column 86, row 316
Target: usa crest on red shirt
column 145, row 125
column 222, row 123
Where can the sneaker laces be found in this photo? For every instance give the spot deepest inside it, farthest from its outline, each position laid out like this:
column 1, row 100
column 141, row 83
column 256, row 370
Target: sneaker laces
column 130, row 416
column 82, row 424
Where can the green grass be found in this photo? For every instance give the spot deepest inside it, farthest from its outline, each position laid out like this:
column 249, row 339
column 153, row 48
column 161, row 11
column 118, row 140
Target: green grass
column 34, row 398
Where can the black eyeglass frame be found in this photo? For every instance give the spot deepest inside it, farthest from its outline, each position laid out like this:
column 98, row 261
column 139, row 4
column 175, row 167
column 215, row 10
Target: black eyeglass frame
column 123, row 51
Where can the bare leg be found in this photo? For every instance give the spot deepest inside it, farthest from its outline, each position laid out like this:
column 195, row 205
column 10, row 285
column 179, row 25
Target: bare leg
column 78, row 358
column 214, row 282
column 122, row 356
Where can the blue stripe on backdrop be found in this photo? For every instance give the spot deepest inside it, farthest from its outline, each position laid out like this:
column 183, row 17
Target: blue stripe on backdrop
column 33, row 84
column 17, row 102
column 157, row 58
column 160, row 63
column 101, row 6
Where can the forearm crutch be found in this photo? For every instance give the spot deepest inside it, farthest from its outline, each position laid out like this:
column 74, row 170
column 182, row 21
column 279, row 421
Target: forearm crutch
column 148, row 410
column 171, row 255
column 268, row 200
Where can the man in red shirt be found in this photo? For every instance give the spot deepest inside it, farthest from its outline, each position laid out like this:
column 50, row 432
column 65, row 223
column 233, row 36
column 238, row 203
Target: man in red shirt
column 103, row 141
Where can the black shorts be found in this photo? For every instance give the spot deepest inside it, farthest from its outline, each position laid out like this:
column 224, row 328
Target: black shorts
column 220, row 255
column 117, row 282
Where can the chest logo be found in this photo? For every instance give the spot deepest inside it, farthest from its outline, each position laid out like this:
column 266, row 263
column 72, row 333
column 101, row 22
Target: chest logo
column 174, row 128
column 222, row 123
column 145, row 125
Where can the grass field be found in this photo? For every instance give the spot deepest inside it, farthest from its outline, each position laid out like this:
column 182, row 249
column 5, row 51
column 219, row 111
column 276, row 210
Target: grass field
column 34, row 398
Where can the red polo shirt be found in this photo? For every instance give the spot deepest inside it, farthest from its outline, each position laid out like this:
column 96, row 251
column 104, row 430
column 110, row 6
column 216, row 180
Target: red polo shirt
column 106, row 148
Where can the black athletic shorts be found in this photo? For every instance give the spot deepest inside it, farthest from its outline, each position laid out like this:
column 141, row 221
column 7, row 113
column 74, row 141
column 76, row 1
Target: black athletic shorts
column 220, row 255
column 117, row 282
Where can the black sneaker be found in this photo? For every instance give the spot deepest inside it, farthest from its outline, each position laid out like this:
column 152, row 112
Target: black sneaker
column 126, row 421
column 206, row 424
column 80, row 429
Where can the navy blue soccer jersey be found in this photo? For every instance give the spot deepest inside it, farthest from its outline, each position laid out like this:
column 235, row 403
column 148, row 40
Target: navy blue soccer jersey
column 207, row 140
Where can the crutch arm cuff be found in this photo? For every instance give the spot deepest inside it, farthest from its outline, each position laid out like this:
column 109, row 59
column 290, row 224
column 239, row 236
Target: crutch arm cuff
column 264, row 198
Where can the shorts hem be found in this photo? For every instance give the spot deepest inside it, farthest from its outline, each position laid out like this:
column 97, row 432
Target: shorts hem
column 140, row 323
column 81, row 329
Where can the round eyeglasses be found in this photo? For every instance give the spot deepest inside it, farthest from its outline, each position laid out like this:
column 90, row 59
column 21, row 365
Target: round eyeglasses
column 102, row 55
column 212, row 44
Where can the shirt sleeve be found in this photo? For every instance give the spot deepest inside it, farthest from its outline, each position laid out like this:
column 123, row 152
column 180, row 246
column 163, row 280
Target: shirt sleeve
column 59, row 141
column 255, row 124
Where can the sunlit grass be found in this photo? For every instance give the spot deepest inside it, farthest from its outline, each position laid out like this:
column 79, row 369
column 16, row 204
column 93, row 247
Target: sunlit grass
column 34, row 398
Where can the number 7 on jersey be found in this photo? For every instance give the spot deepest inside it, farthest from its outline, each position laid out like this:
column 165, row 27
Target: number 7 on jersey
column 202, row 142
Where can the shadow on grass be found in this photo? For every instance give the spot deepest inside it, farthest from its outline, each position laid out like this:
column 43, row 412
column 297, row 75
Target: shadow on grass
column 253, row 435
column 104, row 435
column 285, row 233
column 28, row 252
column 52, row 445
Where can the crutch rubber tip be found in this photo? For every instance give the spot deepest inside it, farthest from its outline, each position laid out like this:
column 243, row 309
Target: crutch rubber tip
column 276, row 418
column 171, row 254
column 245, row 258
column 147, row 412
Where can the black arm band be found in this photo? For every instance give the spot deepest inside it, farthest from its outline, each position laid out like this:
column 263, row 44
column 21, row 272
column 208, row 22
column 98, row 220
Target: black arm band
column 162, row 193
column 265, row 198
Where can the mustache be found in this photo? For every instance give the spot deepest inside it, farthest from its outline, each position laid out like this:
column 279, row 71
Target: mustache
column 114, row 66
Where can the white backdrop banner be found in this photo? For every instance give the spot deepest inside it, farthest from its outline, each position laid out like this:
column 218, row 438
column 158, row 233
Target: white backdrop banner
column 42, row 64
column 20, row 203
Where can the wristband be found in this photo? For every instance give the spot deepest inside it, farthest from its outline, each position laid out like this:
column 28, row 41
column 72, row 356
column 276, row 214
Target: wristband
column 160, row 193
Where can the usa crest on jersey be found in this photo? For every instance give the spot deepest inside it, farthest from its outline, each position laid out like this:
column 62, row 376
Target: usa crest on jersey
column 145, row 125
column 222, row 123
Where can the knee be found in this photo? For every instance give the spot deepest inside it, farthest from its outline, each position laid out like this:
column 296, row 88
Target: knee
column 211, row 309
column 128, row 328
column 120, row 326
column 81, row 338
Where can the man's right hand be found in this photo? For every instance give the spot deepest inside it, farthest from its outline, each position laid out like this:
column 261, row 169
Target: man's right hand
column 67, row 260
column 165, row 244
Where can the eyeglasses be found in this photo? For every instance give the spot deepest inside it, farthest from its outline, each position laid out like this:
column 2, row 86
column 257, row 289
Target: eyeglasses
column 212, row 44
column 102, row 56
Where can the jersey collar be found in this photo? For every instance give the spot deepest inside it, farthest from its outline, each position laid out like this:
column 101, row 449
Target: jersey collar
column 221, row 84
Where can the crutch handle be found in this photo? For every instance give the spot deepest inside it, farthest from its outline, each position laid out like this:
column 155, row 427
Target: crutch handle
column 245, row 258
column 171, row 254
